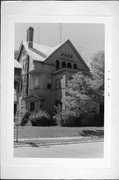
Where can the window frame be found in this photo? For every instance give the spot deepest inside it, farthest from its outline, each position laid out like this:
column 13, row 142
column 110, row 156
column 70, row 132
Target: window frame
column 57, row 84
column 68, row 65
column 32, row 106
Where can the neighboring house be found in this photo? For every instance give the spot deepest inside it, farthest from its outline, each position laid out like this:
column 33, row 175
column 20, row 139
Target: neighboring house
column 45, row 71
column 17, row 80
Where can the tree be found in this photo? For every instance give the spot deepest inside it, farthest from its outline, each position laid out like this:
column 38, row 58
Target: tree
column 79, row 94
column 97, row 71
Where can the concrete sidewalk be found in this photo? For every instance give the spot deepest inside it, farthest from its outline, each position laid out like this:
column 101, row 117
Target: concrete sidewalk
column 56, row 141
column 82, row 150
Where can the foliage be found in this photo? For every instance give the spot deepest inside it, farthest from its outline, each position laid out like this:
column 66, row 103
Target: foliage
column 66, row 118
column 25, row 118
column 80, row 94
column 97, row 71
column 99, row 133
column 40, row 118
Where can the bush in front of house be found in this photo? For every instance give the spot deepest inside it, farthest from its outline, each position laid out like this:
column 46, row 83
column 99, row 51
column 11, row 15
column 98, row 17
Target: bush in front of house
column 99, row 133
column 67, row 118
column 40, row 118
column 25, row 118
column 99, row 119
column 92, row 119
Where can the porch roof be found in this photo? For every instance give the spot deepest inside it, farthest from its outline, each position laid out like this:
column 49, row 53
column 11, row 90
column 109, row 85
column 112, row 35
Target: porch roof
column 33, row 97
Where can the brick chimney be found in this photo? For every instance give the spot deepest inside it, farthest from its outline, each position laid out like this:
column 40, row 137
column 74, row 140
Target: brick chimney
column 30, row 37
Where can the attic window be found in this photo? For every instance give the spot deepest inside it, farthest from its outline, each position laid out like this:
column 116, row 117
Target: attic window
column 75, row 66
column 71, row 56
column 62, row 54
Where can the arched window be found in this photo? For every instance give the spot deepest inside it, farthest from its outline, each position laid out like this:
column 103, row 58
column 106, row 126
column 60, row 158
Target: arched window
column 57, row 64
column 63, row 64
column 75, row 66
column 69, row 65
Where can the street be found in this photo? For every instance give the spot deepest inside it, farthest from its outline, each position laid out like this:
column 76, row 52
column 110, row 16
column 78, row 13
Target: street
column 81, row 150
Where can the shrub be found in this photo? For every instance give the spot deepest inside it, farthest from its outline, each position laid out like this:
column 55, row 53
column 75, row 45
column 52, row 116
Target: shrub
column 99, row 133
column 25, row 118
column 40, row 118
column 99, row 119
column 92, row 119
column 66, row 118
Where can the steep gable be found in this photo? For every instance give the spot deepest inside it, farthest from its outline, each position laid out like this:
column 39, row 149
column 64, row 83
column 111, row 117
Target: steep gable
column 67, row 52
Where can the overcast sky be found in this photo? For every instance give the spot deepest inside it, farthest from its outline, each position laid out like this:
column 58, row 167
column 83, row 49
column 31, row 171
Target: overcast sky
column 87, row 38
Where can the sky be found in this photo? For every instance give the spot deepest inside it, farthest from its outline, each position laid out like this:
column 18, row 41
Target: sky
column 87, row 38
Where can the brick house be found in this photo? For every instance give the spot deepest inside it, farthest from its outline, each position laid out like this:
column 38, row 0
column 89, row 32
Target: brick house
column 45, row 71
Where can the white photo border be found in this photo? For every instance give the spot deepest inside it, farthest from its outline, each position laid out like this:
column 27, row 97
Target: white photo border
column 49, row 164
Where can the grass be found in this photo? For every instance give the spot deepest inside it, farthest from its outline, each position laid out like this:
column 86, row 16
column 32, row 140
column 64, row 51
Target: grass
column 52, row 131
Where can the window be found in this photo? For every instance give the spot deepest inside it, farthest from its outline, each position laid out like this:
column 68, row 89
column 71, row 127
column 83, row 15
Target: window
column 63, row 64
column 57, row 64
column 75, row 66
column 32, row 106
column 69, row 65
column 41, row 106
column 58, row 103
column 15, row 108
column 57, row 84
column 36, row 82
column 49, row 82
column 48, row 86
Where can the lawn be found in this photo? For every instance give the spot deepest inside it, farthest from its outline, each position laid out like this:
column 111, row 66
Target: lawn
column 52, row 131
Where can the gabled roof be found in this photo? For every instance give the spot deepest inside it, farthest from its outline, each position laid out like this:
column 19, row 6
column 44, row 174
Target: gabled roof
column 42, row 53
column 38, row 52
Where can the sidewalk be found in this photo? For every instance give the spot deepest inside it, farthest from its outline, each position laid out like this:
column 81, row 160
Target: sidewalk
column 36, row 142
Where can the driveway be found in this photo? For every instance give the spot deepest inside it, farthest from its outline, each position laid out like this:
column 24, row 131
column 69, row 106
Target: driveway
column 82, row 150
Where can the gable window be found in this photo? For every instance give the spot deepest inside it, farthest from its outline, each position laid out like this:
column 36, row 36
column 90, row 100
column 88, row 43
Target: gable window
column 57, row 64
column 63, row 64
column 32, row 106
column 49, row 86
column 75, row 66
column 69, row 65
column 57, row 84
